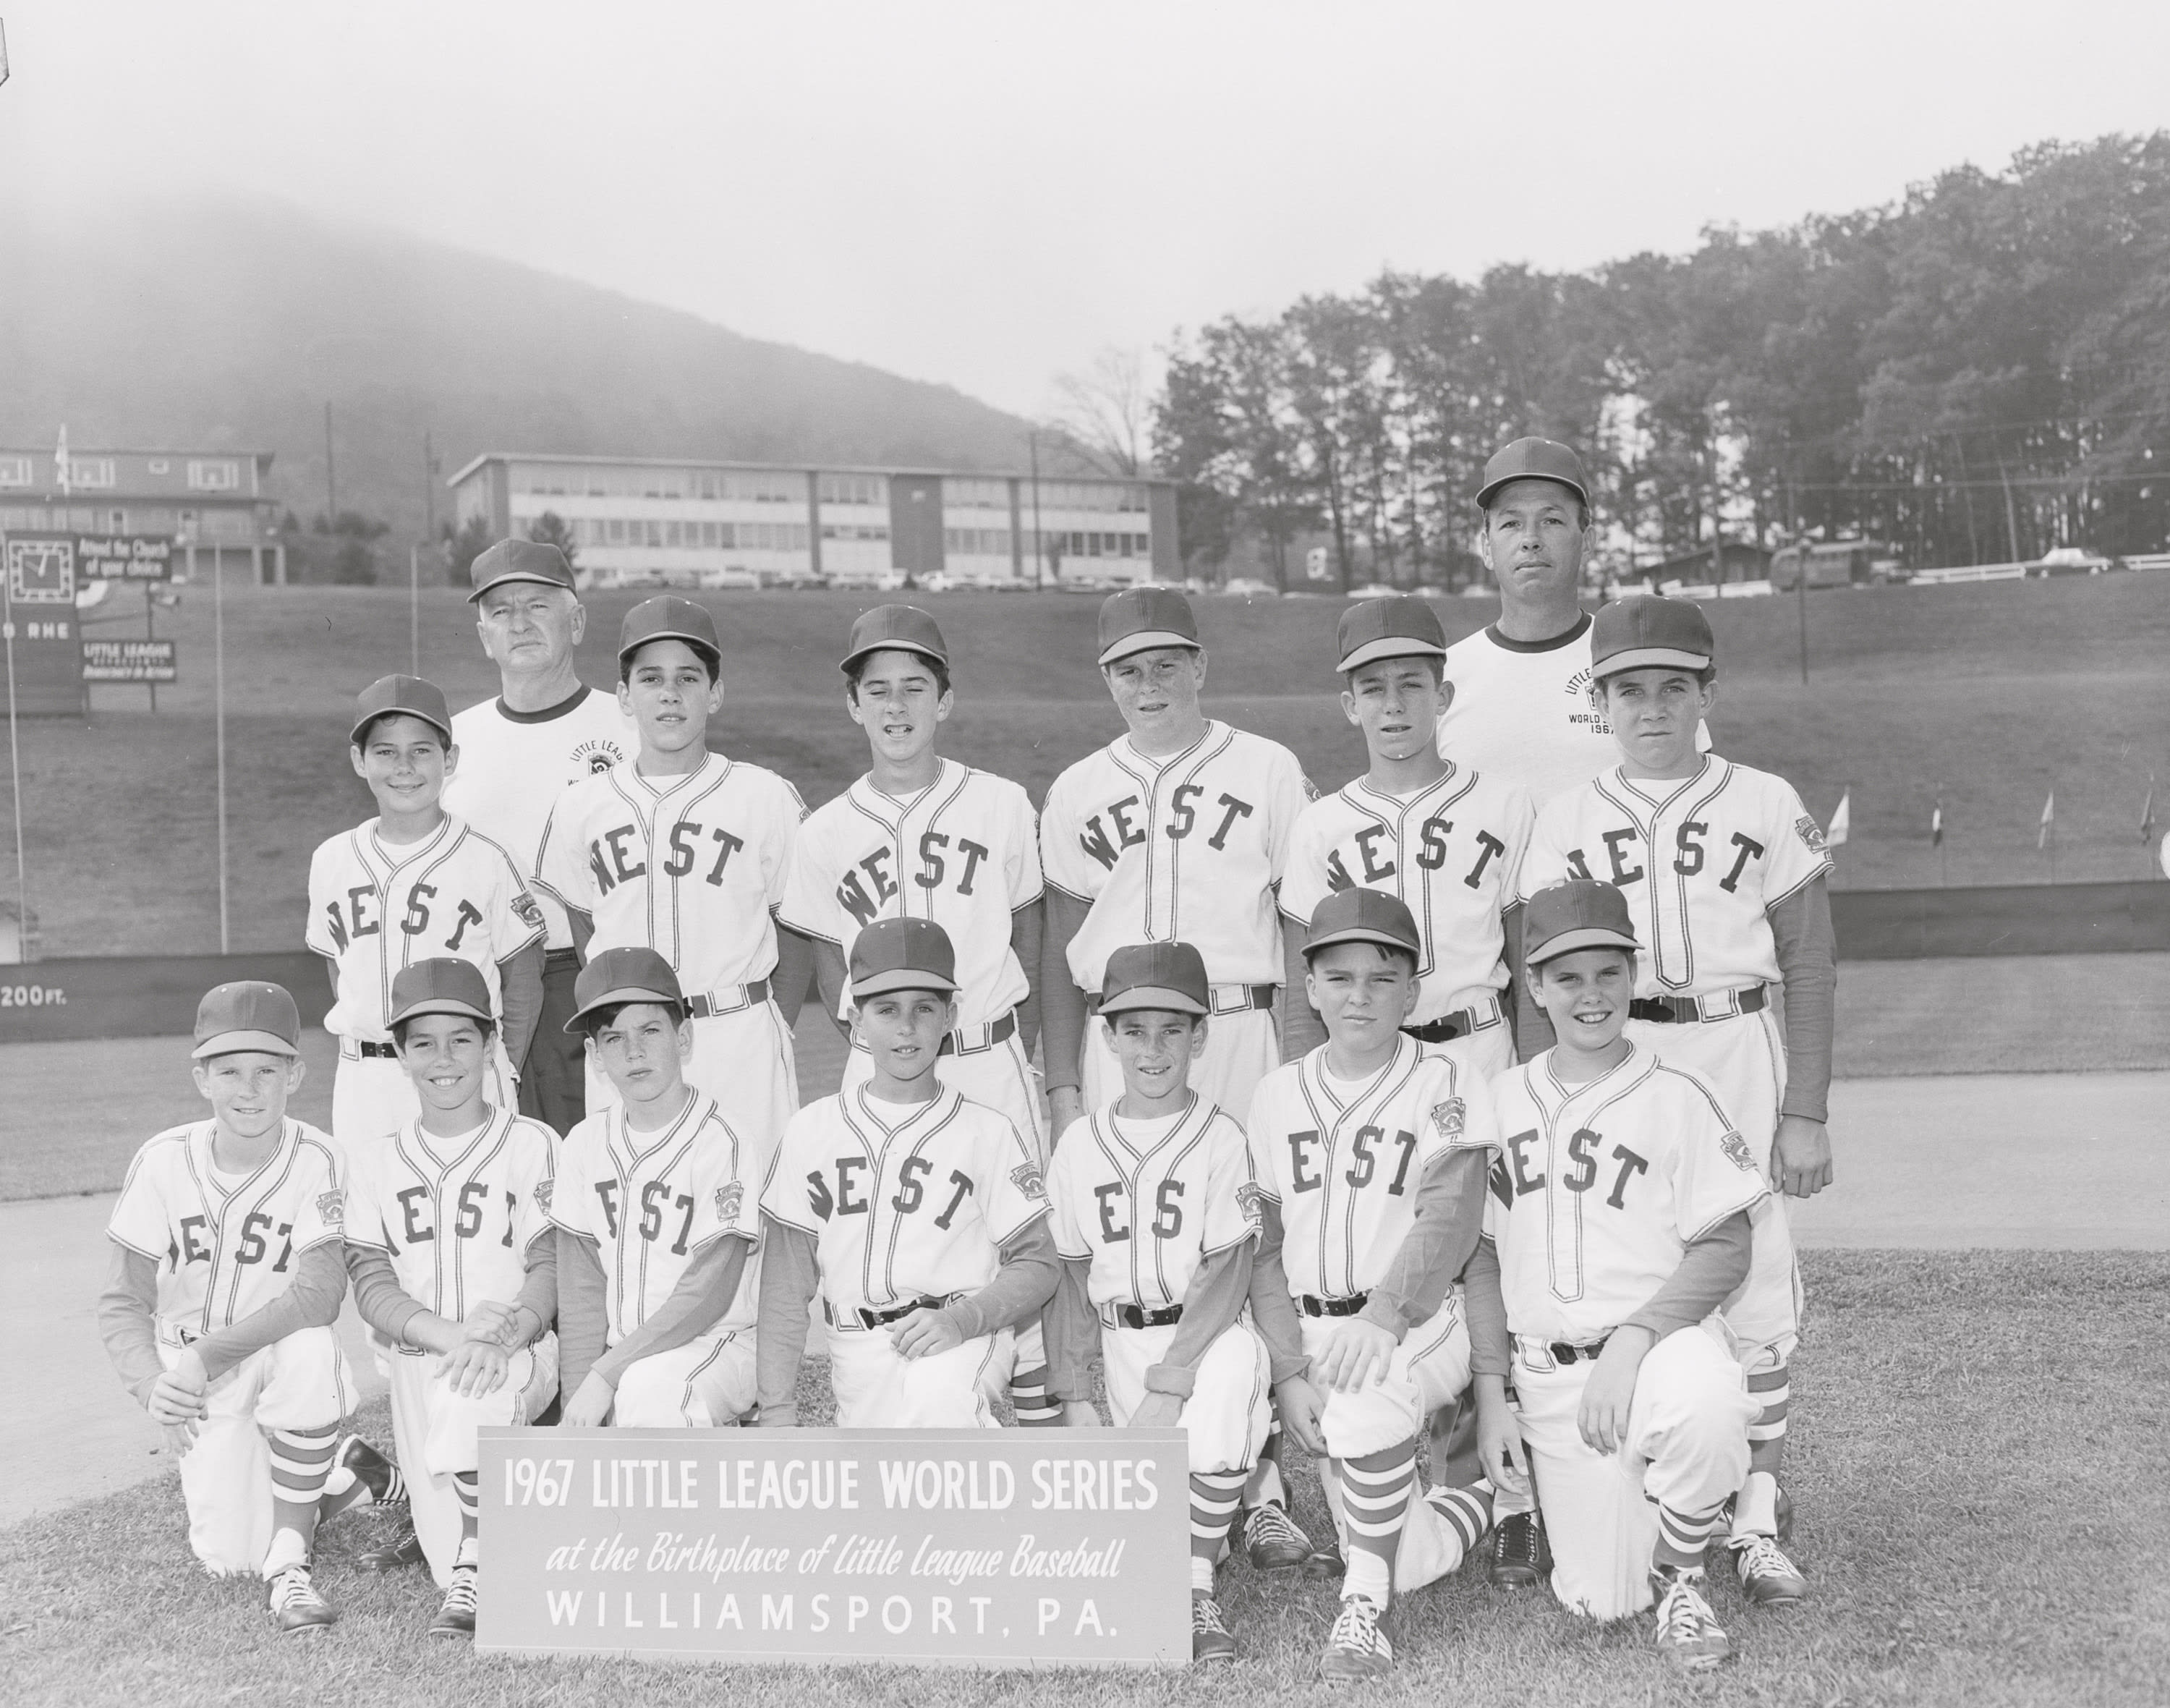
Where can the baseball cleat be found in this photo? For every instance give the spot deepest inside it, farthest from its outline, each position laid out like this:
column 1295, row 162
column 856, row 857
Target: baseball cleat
column 1688, row 1632
column 1768, row 1577
column 295, row 1605
column 1521, row 1557
column 1272, row 1542
column 1357, row 1650
column 456, row 1617
column 1209, row 1639
column 372, row 1470
column 1324, row 1561
column 402, row 1550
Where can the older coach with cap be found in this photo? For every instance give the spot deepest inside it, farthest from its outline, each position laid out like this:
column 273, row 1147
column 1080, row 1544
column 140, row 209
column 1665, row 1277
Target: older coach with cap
column 545, row 731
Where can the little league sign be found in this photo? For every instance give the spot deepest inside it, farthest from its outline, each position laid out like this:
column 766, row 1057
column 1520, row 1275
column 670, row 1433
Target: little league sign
column 962, row 1547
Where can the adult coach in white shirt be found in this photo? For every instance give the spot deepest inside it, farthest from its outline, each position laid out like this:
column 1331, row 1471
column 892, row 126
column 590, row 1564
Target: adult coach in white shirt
column 545, row 731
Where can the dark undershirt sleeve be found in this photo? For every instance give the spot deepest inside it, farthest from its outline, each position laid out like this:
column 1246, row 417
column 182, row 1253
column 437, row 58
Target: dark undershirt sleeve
column 1450, row 1217
column 1062, row 1009
column 1021, row 1287
column 1072, row 1329
column 790, row 1276
column 520, row 999
column 583, row 1309
column 1028, row 926
column 379, row 1299
column 311, row 1301
column 1709, row 1270
column 1808, row 961
column 1218, row 1291
column 1303, row 1032
column 127, row 1321
column 704, row 1292
column 1273, row 1312
column 1491, row 1349
column 538, row 1287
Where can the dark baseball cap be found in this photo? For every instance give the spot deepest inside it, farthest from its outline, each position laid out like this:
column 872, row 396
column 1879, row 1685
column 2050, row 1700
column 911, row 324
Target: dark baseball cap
column 401, row 696
column 902, row 955
column 1139, row 619
column 1575, row 914
column 668, row 618
column 248, row 1014
column 1645, row 632
column 443, row 985
column 1169, row 976
column 1400, row 626
column 898, row 628
column 1533, row 459
column 621, row 976
column 520, row 560
column 1363, row 916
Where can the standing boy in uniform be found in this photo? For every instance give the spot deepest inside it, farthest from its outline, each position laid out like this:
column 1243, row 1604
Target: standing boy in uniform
column 225, row 1280
column 447, row 1237
column 918, row 1216
column 1619, row 1224
column 1723, row 870
column 410, row 885
column 1156, row 1215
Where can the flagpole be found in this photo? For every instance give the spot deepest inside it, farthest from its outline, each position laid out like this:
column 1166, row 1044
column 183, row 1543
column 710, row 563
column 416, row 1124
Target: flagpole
column 218, row 675
column 15, row 776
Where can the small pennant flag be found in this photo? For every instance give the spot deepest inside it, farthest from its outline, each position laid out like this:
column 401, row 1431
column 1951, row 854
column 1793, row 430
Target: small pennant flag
column 61, row 461
column 1842, row 821
column 2048, row 819
column 1936, row 825
column 2147, row 817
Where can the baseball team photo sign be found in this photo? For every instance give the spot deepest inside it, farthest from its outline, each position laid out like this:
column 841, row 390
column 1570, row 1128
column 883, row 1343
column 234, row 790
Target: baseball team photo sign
column 959, row 1547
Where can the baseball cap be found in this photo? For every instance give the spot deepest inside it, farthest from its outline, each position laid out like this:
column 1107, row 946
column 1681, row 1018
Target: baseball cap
column 902, row 628
column 624, row 975
column 444, row 985
column 902, row 955
column 1533, row 459
column 1401, row 627
column 1645, row 632
column 248, row 1014
column 668, row 618
column 1169, row 976
column 1363, row 916
column 1575, row 914
column 520, row 560
column 1138, row 619
column 408, row 695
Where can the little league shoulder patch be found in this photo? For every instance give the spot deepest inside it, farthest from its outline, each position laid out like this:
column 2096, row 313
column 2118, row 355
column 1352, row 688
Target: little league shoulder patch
column 1026, row 1178
column 1735, row 1146
column 728, row 1199
column 531, row 915
column 1809, row 833
column 542, row 1194
column 1447, row 1117
column 1251, row 1199
column 331, row 1207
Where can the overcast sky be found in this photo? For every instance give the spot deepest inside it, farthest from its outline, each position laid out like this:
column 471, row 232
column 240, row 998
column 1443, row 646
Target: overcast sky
column 986, row 195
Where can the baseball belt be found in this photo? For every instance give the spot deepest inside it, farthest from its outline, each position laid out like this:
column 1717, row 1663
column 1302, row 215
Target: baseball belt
column 1221, row 998
column 355, row 1049
column 995, row 1033
column 1137, row 1316
column 1688, row 1010
column 1562, row 1351
column 561, row 961
column 710, row 1004
column 859, row 1318
column 1311, row 1305
column 1477, row 1018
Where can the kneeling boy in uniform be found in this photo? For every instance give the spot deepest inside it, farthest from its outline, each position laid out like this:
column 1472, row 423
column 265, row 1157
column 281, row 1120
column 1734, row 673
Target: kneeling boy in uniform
column 1155, row 1214
column 1618, row 1225
column 226, row 1278
column 919, row 1216
column 446, row 1239
column 657, row 1191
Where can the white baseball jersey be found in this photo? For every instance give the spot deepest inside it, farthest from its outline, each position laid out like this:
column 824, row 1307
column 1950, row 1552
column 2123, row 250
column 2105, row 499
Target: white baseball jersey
column 1701, row 861
column 963, row 852
column 514, row 764
column 1599, row 1188
column 456, row 1215
column 904, row 1200
column 689, row 866
column 652, row 1202
column 1148, row 1200
column 1452, row 852
column 1189, row 847
column 376, row 907
column 1344, row 1159
column 225, row 1246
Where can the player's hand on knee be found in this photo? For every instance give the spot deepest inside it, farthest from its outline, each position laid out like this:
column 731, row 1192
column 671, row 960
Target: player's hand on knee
column 1801, row 1156
column 1610, row 1391
column 1303, row 1414
column 473, row 1368
column 1356, row 1352
column 1499, row 1442
column 1081, row 1414
column 925, row 1333
column 1157, row 1411
column 491, row 1320
column 590, row 1407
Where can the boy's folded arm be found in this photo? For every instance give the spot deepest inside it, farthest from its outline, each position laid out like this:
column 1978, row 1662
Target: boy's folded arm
column 696, row 1304
column 127, row 1319
column 1709, row 1270
column 311, row 1301
column 1020, row 1287
column 790, row 1276
column 1450, row 1217
column 1219, row 1288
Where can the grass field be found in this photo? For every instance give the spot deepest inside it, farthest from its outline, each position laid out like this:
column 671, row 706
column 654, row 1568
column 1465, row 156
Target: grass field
column 1984, row 694
column 1982, row 1514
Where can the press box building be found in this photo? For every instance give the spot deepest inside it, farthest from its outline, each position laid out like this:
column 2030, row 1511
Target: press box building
column 213, row 502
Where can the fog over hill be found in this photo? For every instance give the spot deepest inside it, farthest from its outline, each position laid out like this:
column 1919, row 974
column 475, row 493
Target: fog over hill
column 230, row 323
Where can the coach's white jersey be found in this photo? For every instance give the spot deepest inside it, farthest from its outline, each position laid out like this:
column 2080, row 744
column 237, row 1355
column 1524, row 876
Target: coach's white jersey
column 1343, row 1158
column 904, row 1200
column 963, row 852
column 1599, row 1188
column 1186, row 848
column 1148, row 1202
column 225, row 1245
column 376, row 907
column 689, row 866
column 1701, row 862
column 654, row 1200
column 456, row 1215
column 1452, row 852
column 513, row 766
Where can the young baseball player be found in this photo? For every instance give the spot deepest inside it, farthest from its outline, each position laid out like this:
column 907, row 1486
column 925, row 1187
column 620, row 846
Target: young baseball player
column 922, row 837
column 410, row 885
column 446, row 1235
column 1374, row 1204
column 657, row 1191
column 1619, row 1224
column 225, row 1280
column 1155, row 1215
column 919, row 1216
column 1723, row 870
column 684, row 852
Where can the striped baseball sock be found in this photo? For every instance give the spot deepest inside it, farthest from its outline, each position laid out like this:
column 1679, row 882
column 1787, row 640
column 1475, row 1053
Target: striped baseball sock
column 1214, row 1495
column 1266, row 1486
column 467, row 1485
column 301, row 1461
column 1467, row 1512
column 1375, row 1498
column 1683, row 1536
column 1772, row 1389
column 1036, row 1408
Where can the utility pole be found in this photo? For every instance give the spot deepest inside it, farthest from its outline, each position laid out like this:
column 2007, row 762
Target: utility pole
column 1039, row 538
column 428, row 494
column 331, row 472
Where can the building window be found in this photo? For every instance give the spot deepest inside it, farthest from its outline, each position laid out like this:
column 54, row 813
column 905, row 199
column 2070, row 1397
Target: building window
column 853, row 489
column 616, row 525
column 212, row 477
column 15, row 471
column 159, row 465
column 90, row 473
